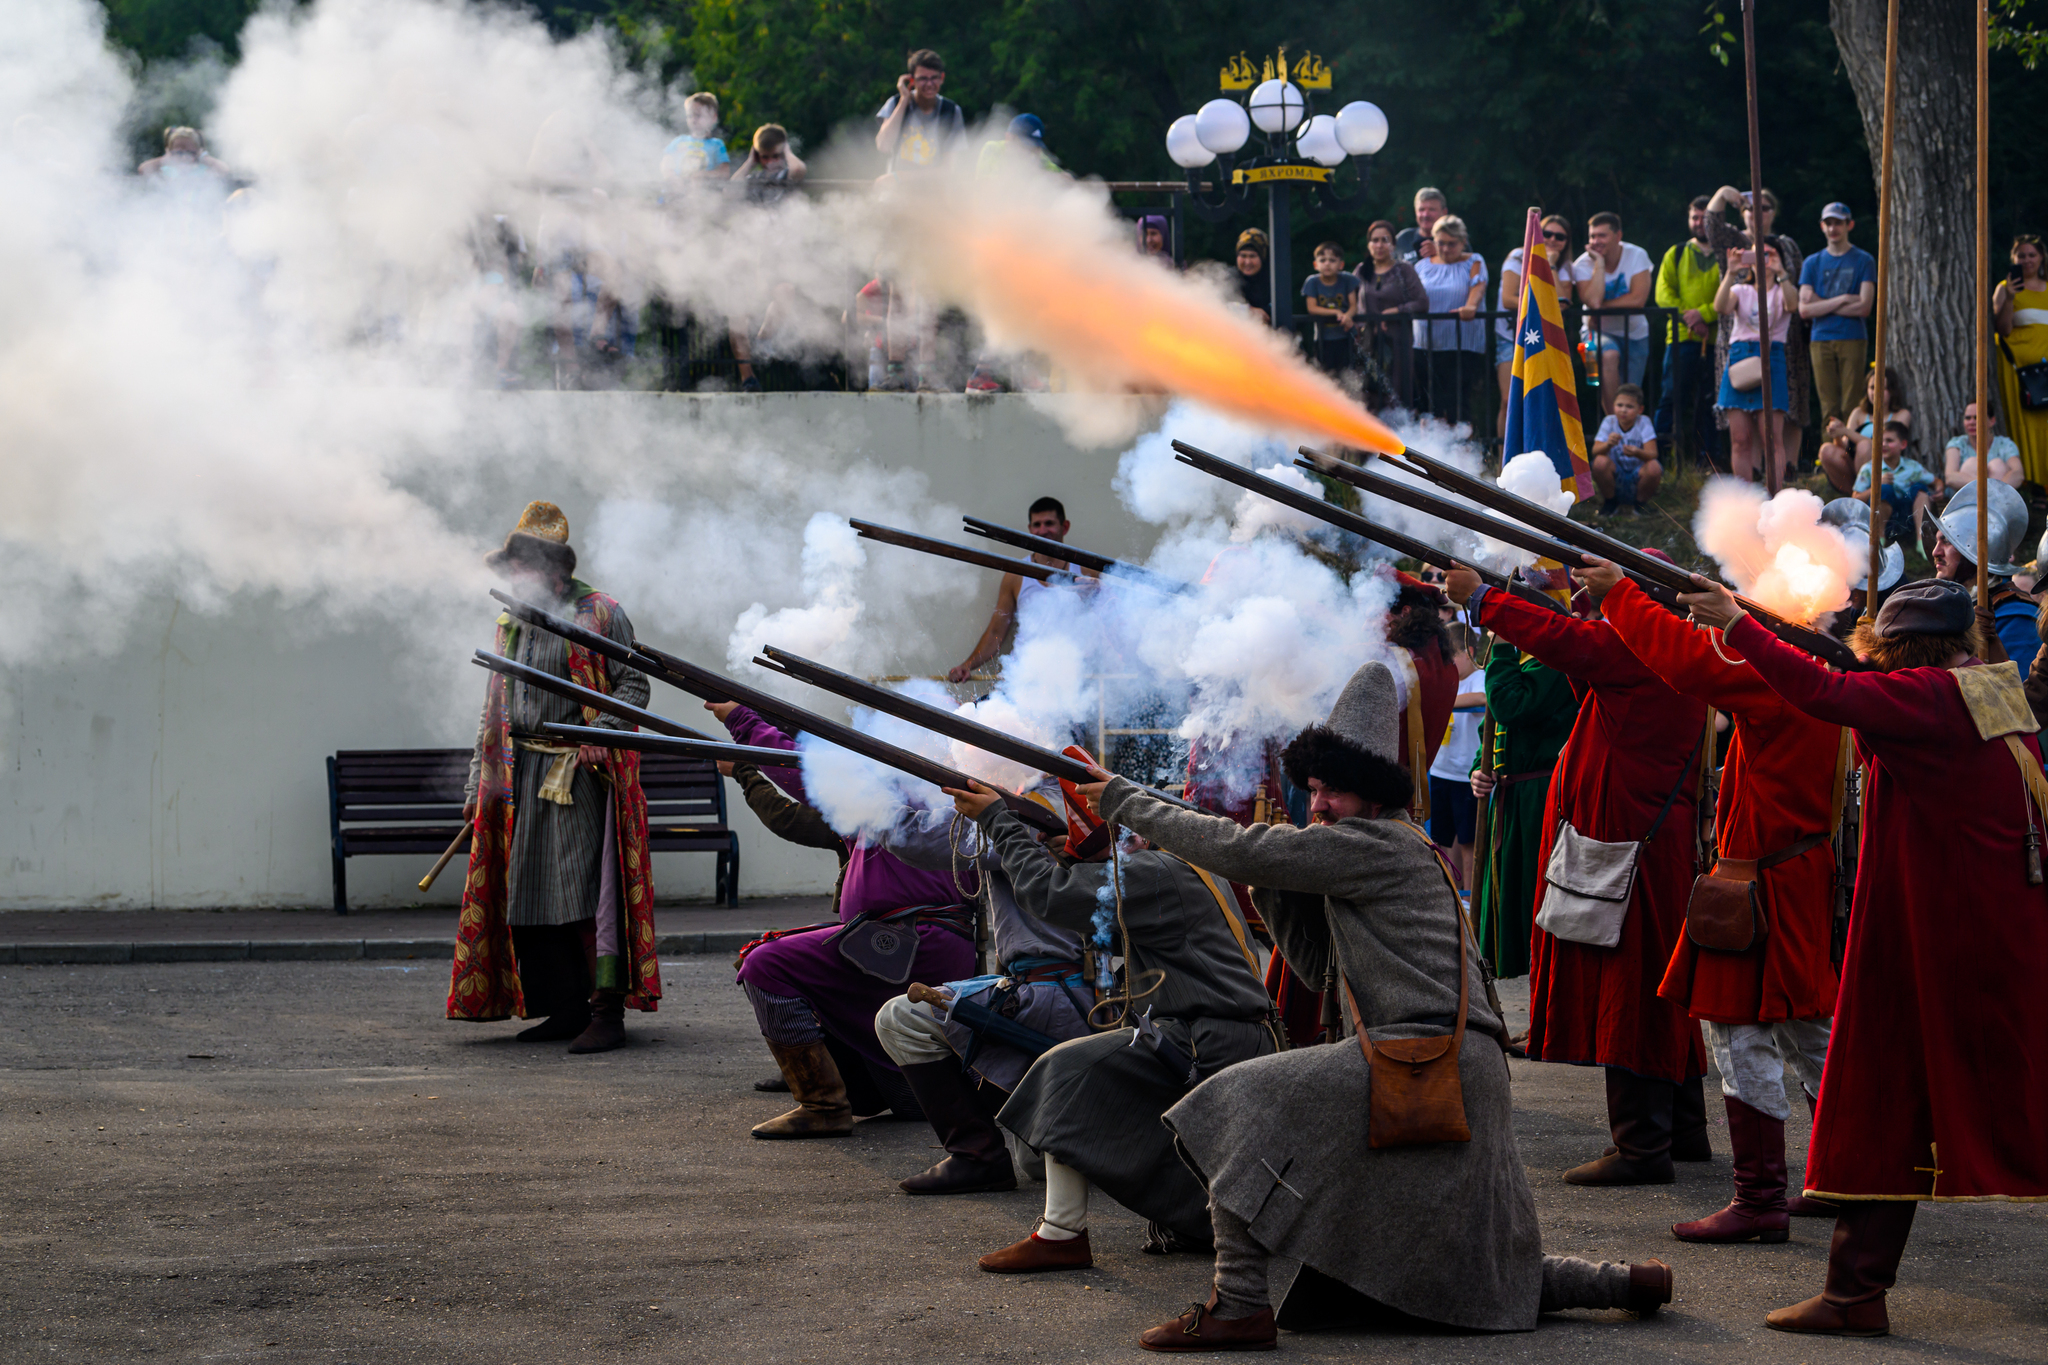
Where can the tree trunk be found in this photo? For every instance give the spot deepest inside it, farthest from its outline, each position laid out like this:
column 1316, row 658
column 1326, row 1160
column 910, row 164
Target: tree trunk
column 1931, row 313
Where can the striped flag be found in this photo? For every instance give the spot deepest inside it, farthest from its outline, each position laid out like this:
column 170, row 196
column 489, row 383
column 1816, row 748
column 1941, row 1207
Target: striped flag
column 1543, row 393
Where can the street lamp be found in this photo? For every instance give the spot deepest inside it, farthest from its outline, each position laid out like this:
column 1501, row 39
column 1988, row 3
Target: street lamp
column 1297, row 147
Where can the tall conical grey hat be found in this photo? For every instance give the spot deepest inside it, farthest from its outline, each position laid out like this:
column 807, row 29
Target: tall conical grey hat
column 2006, row 524
column 1368, row 712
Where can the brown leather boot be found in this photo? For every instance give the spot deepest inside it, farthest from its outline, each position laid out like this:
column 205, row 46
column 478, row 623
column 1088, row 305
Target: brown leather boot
column 607, row 1024
column 1037, row 1253
column 1757, row 1212
column 822, row 1109
column 1199, row 1329
column 1639, row 1113
column 1863, row 1264
column 1649, row 1287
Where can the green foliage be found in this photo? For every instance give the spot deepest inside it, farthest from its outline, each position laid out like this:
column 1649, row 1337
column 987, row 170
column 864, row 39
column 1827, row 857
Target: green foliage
column 1573, row 105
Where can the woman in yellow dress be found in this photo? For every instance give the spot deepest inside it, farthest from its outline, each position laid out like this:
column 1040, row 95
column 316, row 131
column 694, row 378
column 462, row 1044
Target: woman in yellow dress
column 2020, row 312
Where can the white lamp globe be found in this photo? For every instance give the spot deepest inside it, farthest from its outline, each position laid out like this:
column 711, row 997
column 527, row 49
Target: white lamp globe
column 1222, row 126
column 1277, row 105
column 1318, row 141
column 1184, row 145
column 1361, row 128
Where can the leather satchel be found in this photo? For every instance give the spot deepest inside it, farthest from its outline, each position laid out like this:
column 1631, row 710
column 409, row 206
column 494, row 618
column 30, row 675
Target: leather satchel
column 1417, row 1095
column 1724, row 913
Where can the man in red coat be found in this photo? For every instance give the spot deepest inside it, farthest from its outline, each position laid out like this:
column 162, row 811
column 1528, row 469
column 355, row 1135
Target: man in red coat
column 1933, row 1088
column 1626, row 774
column 1781, row 795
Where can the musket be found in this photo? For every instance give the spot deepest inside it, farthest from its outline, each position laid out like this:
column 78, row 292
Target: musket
column 684, row 745
column 946, row 549
column 595, row 700
column 938, row 719
column 716, row 687
column 1087, row 559
column 1631, row 560
column 1471, row 518
column 1346, row 520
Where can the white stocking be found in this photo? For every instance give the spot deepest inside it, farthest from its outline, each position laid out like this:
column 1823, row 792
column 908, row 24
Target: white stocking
column 1066, row 1202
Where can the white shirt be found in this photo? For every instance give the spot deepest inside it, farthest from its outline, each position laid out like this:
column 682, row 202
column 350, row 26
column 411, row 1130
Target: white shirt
column 1461, row 739
column 1633, row 261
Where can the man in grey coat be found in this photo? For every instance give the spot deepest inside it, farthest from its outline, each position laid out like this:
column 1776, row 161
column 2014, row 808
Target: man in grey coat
column 1444, row 1231
column 961, row 1079
column 1192, row 1005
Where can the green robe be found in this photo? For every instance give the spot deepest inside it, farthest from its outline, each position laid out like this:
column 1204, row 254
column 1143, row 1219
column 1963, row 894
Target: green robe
column 1532, row 710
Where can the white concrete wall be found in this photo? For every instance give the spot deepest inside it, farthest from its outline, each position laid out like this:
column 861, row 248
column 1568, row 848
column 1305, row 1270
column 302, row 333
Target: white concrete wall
column 185, row 768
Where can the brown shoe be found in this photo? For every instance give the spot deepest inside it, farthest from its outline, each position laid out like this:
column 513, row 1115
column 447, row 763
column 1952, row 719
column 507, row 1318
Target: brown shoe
column 1199, row 1329
column 1037, row 1253
column 1616, row 1169
column 1818, row 1317
column 822, row 1109
column 1649, row 1287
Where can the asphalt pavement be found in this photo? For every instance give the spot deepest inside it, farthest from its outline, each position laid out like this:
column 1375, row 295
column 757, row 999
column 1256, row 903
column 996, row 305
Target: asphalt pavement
column 303, row 1161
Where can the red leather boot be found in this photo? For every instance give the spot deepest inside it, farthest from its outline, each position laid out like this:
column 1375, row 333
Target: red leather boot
column 1758, row 1210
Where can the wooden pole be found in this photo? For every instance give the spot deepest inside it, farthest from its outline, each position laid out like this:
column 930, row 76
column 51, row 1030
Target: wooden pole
column 1982, row 441
column 445, row 858
column 1882, row 301
column 1765, row 420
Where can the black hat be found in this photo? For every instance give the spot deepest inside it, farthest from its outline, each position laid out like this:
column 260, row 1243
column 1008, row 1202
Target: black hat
column 1933, row 606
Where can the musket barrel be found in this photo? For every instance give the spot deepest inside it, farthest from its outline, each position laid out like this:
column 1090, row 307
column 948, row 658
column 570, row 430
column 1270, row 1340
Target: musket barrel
column 687, row 746
column 946, row 549
column 596, row 701
column 939, row 720
column 1086, row 559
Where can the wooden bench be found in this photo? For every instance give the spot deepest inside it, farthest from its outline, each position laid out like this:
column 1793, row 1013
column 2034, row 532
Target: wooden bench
column 391, row 801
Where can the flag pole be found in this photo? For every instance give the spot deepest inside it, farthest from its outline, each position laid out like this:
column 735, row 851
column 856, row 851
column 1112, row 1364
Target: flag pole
column 1882, row 301
column 1983, row 313
column 1756, row 218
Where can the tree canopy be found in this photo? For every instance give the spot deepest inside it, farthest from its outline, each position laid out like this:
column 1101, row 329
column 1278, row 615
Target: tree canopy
column 1574, row 105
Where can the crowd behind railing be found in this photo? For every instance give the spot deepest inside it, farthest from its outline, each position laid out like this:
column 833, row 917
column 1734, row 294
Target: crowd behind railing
column 1666, row 352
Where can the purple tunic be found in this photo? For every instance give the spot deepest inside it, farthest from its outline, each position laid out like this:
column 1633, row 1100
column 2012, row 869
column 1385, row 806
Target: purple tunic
column 843, row 996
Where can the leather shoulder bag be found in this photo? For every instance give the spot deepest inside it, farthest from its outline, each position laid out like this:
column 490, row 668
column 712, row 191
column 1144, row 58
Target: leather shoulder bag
column 1588, row 882
column 1417, row 1095
column 1724, row 913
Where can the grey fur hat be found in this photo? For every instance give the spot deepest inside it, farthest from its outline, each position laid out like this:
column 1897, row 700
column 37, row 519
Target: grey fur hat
column 1368, row 712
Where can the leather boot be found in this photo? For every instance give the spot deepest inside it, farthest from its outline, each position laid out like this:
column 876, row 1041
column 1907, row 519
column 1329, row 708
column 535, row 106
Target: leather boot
column 1805, row 1205
column 556, row 1028
column 1037, row 1253
column 976, row 1157
column 1689, row 1122
column 607, row 1024
column 1758, row 1210
column 1199, row 1330
column 1639, row 1111
column 822, row 1109
column 1863, row 1263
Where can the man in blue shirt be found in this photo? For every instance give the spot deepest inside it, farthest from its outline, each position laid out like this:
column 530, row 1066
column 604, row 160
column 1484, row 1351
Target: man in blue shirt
column 1837, row 289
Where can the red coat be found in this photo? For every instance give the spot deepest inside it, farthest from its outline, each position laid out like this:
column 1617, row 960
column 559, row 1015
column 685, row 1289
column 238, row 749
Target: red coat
column 1936, row 1084
column 1437, row 680
column 1631, row 746
column 1777, row 787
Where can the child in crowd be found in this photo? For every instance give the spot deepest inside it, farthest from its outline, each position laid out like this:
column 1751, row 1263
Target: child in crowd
column 1453, row 809
column 1907, row 487
column 1625, row 465
column 696, row 155
column 1332, row 298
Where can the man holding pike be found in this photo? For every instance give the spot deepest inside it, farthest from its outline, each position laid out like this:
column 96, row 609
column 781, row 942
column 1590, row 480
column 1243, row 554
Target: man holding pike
column 1381, row 1171
column 1621, row 805
column 1047, row 518
column 558, row 909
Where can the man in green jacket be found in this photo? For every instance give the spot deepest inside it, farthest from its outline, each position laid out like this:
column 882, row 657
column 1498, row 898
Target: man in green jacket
column 1686, row 283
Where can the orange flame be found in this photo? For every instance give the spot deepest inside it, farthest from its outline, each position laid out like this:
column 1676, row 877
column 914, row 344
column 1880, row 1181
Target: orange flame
column 1044, row 268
